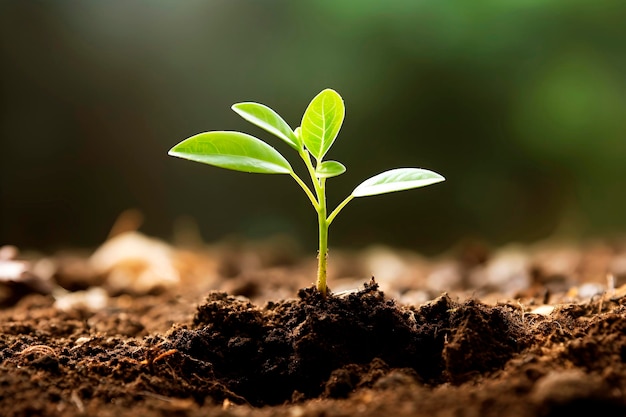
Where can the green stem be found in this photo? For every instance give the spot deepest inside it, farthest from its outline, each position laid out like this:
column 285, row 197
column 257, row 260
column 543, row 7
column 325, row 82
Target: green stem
column 319, row 184
column 322, row 256
column 306, row 157
column 338, row 209
column 306, row 189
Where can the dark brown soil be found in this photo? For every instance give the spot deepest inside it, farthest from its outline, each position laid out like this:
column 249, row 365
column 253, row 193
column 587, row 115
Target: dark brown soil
column 189, row 348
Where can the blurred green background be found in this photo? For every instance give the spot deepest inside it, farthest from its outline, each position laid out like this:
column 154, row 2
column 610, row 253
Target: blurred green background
column 521, row 104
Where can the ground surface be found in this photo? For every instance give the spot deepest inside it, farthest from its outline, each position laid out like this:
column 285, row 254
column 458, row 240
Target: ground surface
column 143, row 328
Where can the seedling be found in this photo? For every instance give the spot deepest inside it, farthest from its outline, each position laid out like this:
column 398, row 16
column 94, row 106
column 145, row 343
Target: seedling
column 312, row 140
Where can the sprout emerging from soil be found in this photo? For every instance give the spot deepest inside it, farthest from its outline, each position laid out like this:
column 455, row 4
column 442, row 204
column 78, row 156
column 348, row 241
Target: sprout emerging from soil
column 312, row 140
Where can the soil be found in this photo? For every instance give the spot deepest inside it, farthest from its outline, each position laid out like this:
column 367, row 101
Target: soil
column 144, row 328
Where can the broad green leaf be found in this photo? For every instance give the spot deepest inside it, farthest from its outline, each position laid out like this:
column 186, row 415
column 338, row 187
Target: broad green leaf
column 328, row 169
column 232, row 150
column 267, row 119
column 321, row 122
column 397, row 180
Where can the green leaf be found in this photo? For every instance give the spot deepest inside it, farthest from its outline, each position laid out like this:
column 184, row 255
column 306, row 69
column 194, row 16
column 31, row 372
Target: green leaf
column 267, row 119
column 321, row 122
column 397, row 180
column 232, row 150
column 328, row 169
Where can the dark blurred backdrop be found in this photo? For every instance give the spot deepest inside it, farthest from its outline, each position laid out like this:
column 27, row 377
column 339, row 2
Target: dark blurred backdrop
column 521, row 104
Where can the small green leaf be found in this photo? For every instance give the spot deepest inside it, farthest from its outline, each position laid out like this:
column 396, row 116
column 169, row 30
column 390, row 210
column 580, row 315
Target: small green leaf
column 328, row 169
column 321, row 122
column 267, row 119
column 232, row 150
column 397, row 180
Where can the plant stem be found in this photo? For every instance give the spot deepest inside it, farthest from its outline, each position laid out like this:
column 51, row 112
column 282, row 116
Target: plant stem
column 319, row 184
column 338, row 209
column 306, row 189
column 322, row 256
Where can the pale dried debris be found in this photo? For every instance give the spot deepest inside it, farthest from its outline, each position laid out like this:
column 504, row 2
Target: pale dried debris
column 507, row 272
column 345, row 286
column 129, row 220
column 415, row 297
column 20, row 272
column 93, row 299
column 384, row 264
column 134, row 262
column 543, row 310
column 586, row 292
column 81, row 341
column 395, row 271
column 446, row 275
column 13, row 270
column 618, row 292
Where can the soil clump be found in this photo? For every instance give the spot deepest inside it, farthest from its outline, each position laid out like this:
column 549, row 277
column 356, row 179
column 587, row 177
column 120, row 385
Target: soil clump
column 192, row 350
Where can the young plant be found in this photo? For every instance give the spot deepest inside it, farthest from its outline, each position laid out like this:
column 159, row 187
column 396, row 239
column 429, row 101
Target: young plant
column 312, row 140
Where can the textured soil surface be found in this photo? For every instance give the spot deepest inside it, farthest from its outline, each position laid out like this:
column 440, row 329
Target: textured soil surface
column 140, row 327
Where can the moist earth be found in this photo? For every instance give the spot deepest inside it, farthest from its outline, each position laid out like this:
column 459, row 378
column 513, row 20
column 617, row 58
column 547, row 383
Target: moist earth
column 190, row 350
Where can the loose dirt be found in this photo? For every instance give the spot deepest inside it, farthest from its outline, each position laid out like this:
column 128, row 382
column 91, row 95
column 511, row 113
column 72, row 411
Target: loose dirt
column 145, row 328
